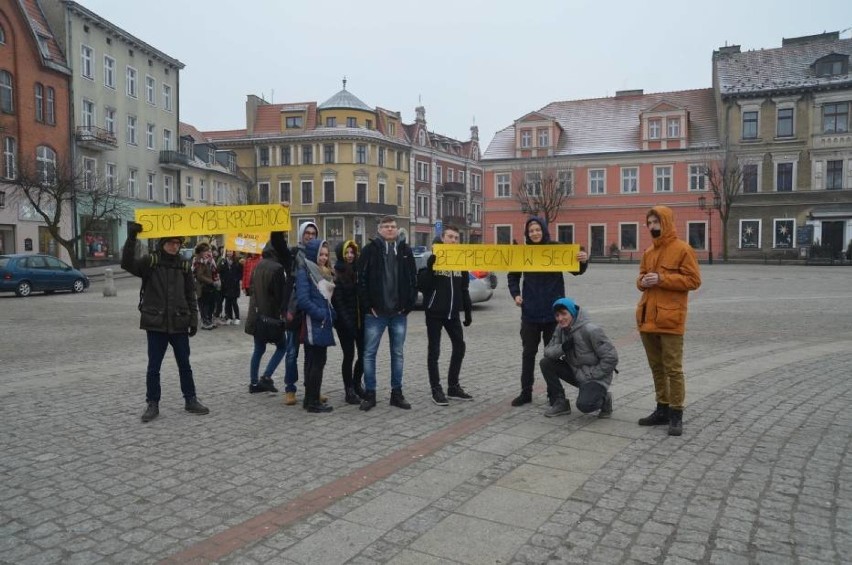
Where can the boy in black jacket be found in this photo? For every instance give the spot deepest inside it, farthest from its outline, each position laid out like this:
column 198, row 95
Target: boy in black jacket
column 445, row 293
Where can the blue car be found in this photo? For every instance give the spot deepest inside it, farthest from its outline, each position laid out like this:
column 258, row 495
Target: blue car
column 24, row 273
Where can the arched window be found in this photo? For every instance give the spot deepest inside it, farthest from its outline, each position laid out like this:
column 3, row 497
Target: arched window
column 6, row 104
column 46, row 164
column 39, row 102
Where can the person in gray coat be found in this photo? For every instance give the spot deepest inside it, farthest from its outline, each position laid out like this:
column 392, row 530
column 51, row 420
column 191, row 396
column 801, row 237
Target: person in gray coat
column 580, row 354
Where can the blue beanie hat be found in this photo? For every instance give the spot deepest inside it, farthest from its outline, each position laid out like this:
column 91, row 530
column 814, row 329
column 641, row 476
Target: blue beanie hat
column 568, row 304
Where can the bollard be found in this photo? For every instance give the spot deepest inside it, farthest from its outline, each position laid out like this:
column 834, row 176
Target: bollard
column 109, row 284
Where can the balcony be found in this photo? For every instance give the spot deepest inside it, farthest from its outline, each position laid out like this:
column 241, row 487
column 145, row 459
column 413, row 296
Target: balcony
column 173, row 160
column 369, row 208
column 96, row 138
column 452, row 188
column 458, row 221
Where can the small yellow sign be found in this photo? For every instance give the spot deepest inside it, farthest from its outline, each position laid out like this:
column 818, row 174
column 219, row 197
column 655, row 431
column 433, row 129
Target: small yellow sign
column 246, row 242
column 525, row 258
column 206, row 220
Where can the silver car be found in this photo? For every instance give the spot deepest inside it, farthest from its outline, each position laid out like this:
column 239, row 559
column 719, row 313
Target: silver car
column 480, row 289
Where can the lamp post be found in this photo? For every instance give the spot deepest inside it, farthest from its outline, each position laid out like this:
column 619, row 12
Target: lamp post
column 717, row 205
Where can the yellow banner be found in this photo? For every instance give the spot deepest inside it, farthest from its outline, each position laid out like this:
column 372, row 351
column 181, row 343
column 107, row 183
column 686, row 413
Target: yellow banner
column 528, row 258
column 207, row 220
column 246, row 242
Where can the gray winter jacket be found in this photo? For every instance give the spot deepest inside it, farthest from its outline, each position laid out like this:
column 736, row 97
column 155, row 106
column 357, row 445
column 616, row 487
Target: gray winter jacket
column 591, row 354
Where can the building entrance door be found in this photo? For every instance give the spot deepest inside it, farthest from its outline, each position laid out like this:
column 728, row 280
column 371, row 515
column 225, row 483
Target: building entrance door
column 832, row 238
column 598, row 238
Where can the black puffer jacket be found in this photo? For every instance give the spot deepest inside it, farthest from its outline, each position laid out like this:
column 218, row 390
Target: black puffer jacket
column 168, row 302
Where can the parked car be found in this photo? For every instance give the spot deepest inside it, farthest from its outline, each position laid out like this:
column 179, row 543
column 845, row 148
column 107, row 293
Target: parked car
column 480, row 288
column 24, row 273
column 487, row 275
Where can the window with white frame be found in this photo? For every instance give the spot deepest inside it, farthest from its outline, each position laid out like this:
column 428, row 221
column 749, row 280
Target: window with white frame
column 697, row 178
column 167, row 140
column 168, row 197
column 10, row 158
column 263, row 193
column 423, row 204
column 219, row 189
column 202, row 190
column 399, row 192
column 133, row 183
column 109, row 72
column 784, row 177
column 834, row 175
column 131, row 82
column 835, row 117
column 673, row 126
column 451, row 175
column 150, row 134
column 150, row 90
column 663, row 179
column 307, row 154
column 111, row 177
column 422, row 171
column 629, row 180
column 188, row 188
column 7, row 93
column 476, row 182
column 167, row 97
column 46, row 164
column 286, row 155
column 307, row 192
column 382, row 187
column 381, row 161
column 564, row 181
column 597, row 181
column 109, row 120
column 628, row 236
column 526, row 138
column 361, row 154
column 90, row 173
column 39, row 102
column 477, row 212
column 543, row 137
column 88, row 118
column 149, row 185
column 750, row 124
column 328, row 190
column 784, row 126
column 50, row 114
column 361, row 191
column 284, row 188
column 131, row 130
column 784, row 233
column 504, row 185
column 532, row 183
column 696, row 234
column 749, row 234
column 655, row 129
column 439, row 174
column 87, row 54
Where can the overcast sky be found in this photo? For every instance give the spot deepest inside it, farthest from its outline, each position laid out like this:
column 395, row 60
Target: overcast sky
column 464, row 60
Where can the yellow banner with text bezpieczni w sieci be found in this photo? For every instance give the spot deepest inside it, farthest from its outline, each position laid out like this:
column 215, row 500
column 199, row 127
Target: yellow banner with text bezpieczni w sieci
column 526, row 258
column 206, row 220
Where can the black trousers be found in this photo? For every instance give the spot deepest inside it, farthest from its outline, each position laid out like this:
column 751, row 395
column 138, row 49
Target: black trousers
column 232, row 309
column 352, row 368
column 531, row 336
column 554, row 373
column 315, row 358
column 433, row 333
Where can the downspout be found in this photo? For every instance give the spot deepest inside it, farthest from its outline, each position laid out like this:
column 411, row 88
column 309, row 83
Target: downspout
column 75, row 221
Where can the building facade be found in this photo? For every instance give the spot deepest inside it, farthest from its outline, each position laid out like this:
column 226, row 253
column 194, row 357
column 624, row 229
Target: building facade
column 785, row 113
column 612, row 159
column 124, row 118
column 33, row 122
column 340, row 164
column 446, row 181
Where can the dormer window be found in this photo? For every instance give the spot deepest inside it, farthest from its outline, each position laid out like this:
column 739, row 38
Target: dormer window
column 832, row 65
column 543, row 137
column 673, row 125
column 293, row 122
column 526, row 138
column 654, row 129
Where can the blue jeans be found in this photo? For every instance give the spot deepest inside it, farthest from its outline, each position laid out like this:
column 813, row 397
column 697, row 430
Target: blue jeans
column 374, row 327
column 291, row 362
column 259, row 350
column 158, row 343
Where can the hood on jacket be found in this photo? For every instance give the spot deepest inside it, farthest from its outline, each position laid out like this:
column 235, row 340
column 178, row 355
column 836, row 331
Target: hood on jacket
column 340, row 251
column 302, row 229
column 269, row 251
column 667, row 228
column 312, row 249
column 540, row 221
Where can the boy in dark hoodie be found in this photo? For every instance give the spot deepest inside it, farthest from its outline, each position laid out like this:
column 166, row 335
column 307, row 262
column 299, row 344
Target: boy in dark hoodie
column 535, row 298
column 445, row 294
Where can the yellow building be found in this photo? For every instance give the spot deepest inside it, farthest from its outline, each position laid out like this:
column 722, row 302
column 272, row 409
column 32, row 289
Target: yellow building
column 340, row 164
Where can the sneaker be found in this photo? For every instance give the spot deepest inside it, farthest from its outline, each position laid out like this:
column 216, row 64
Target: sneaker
column 255, row 388
column 151, row 412
column 560, row 407
column 195, row 407
column 439, row 398
column 521, row 399
column 458, row 393
column 289, row 398
column 318, row 408
column 267, row 384
column 606, row 409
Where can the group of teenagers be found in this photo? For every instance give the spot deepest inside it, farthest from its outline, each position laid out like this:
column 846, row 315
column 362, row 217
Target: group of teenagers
column 372, row 290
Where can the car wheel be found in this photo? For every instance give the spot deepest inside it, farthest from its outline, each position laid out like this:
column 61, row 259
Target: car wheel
column 24, row 288
column 78, row 286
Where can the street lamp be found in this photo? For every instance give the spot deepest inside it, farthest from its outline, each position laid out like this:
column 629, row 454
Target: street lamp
column 717, row 205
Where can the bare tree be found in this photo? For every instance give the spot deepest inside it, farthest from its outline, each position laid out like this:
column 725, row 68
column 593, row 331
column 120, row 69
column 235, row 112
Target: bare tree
column 725, row 179
column 55, row 191
column 542, row 192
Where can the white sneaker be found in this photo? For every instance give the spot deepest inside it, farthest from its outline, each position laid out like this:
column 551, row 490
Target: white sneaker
column 236, row 322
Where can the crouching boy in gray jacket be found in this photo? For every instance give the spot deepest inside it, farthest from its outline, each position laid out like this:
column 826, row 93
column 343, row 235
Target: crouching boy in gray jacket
column 581, row 354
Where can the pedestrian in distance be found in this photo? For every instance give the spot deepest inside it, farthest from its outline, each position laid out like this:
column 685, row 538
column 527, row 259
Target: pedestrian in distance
column 580, row 354
column 535, row 298
column 349, row 323
column 668, row 271
column 387, row 288
column 231, row 275
column 314, row 289
column 267, row 297
column 207, row 283
column 445, row 295
column 249, row 263
column 169, row 315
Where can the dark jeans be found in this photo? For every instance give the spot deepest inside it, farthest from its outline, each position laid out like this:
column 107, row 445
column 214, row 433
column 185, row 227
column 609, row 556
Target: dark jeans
column 554, row 373
column 433, row 332
column 206, row 303
column 257, row 355
column 217, row 302
column 158, row 343
column 531, row 335
column 315, row 358
column 232, row 309
column 291, row 360
column 351, row 369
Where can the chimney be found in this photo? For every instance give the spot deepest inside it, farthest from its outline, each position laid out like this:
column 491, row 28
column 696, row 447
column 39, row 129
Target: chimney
column 252, row 102
column 726, row 50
